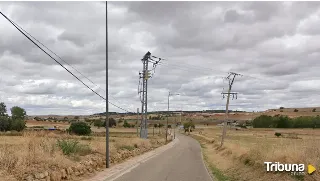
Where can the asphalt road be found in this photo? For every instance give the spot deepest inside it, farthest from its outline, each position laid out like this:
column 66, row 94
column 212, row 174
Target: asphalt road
column 183, row 162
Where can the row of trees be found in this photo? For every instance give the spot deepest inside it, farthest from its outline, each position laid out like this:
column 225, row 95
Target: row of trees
column 280, row 121
column 99, row 123
column 14, row 122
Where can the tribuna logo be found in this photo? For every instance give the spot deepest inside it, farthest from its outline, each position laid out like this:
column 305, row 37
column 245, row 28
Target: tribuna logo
column 279, row 167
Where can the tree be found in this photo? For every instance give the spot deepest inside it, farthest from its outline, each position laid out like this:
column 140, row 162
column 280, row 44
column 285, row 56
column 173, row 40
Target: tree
column 281, row 107
column 4, row 118
column 79, row 128
column 282, row 121
column 112, row 122
column 17, row 124
column 3, row 109
column 5, row 123
column 314, row 110
column 18, row 113
column 188, row 125
column 296, row 110
column 262, row 121
column 76, row 117
column 155, row 125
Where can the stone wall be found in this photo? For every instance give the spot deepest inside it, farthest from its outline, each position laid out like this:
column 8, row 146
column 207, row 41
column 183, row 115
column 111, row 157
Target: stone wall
column 93, row 163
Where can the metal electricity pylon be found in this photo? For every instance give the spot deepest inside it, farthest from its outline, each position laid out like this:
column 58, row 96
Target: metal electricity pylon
column 144, row 76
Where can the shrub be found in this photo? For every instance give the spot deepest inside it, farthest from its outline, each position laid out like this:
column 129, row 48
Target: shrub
column 126, row 124
column 69, row 147
column 127, row 147
column 187, row 125
column 314, row 110
column 98, row 123
column 155, row 125
column 277, row 134
column 296, row 110
column 80, row 128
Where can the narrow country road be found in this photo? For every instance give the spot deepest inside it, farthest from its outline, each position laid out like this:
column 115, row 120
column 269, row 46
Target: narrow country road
column 183, row 162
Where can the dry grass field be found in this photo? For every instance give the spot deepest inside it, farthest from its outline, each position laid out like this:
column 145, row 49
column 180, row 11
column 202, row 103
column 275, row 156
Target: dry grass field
column 243, row 155
column 41, row 152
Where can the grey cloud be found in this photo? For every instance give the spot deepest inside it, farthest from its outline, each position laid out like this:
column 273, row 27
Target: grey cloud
column 30, row 79
column 264, row 41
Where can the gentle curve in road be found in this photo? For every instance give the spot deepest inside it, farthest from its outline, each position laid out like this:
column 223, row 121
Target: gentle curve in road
column 183, row 162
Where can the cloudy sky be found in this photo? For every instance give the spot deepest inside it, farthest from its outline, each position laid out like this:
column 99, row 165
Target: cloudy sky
column 274, row 45
column 30, row 79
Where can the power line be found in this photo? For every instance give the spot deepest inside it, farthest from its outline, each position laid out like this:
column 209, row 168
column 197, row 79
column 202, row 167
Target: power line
column 50, row 56
column 198, row 69
column 57, row 55
column 16, row 26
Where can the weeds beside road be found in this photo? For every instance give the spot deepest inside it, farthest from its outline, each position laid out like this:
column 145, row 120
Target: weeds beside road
column 243, row 155
column 41, row 154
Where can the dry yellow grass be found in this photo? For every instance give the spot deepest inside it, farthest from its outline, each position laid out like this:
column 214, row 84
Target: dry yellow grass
column 245, row 151
column 38, row 151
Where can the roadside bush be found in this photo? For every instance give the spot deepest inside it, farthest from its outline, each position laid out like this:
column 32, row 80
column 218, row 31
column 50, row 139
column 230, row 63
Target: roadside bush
column 79, row 128
column 69, row 147
column 126, row 147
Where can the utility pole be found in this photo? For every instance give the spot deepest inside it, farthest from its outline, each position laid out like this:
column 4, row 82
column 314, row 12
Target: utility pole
column 145, row 75
column 107, row 102
column 231, row 80
column 175, row 125
column 170, row 94
column 138, row 122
